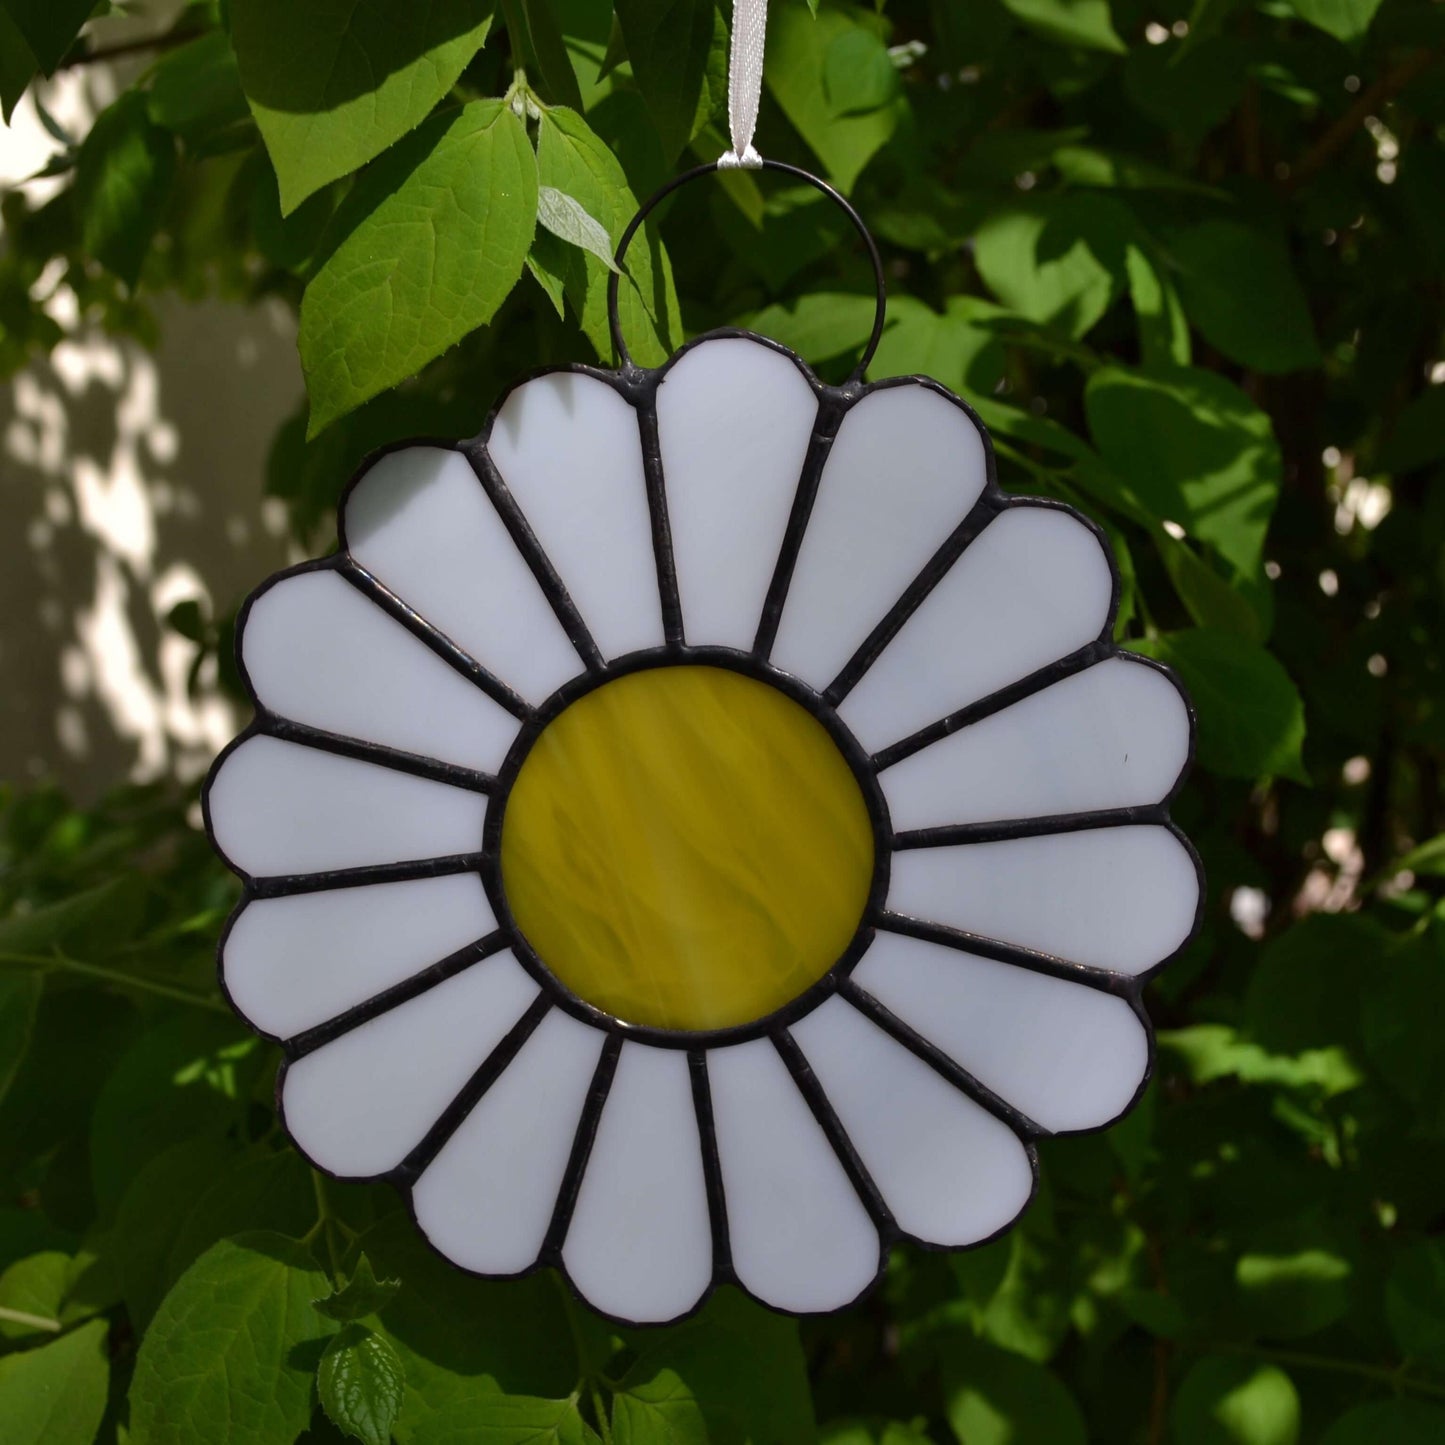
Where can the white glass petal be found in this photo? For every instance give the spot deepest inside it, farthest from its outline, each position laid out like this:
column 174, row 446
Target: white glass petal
column 292, row 963
column 1113, row 736
column 904, row 470
column 734, row 419
column 318, row 652
column 1031, row 588
column 1066, row 1055
column 1116, row 898
column 801, row 1238
column 421, row 524
column 950, row 1172
column 278, row 808
column 640, row 1242
column 569, row 449
column 486, row 1200
column 359, row 1105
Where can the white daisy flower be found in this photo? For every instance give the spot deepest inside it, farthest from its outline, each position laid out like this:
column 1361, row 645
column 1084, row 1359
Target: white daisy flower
column 701, row 831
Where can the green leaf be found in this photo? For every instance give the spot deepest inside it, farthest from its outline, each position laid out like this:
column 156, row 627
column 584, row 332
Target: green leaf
column 1207, row 1052
column 1251, row 719
column 363, row 1294
column 1415, row 1302
column 49, row 27
column 1346, row 20
column 17, row 66
column 1059, row 259
column 566, row 217
column 19, row 1001
column 1195, row 448
column 333, row 85
column 548, row 46
column 668, row 42
column 957, row 348
column 1235, row 1402
column 1307, row 990
column 177, row 1081
column 433, row 239
column 519, row 1337
column 1084, row 23
column 1240, row 289
column 230, row 1355
column 1189, row 91
column 818, row 327
column 1292, row 1292
column 995, row 1397
column 360, row 1381
column 149, row 1215
column 572, row 159
column 56, row 1395
column 33, row 1287
column 684, row 1384
column 858, row 73
column 1212, row 601
column 1163, row 327
column 1388, row 1422
column 484, row 1417
column 1407, row 1056
column 798, row 48
column 1418, row 438
column 123, row 178
column 196, row 92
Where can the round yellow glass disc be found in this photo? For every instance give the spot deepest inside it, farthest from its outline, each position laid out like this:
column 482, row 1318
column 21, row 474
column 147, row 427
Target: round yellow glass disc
column 686, row 847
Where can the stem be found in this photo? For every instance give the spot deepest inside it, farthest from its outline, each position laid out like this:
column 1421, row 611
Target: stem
column 24, row 1317
column 599, row 1409
column 64, row 964
column 324, row 1220
column 1396, row 1378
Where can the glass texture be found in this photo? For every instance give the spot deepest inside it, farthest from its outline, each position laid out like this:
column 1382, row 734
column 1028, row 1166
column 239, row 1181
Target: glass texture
column 1066, row 1055
column 640, row 1241
column 686, row 847
column 282, row 808
column 318, row 652
column 1117, row 898
column 948, row 1170
column 734, row 420
column 801, row 1238
column 359, row 1105
column 421, row 523
column 292, row 963
column 569, row 449
column 1115, row 735
column 486, row 1200
column 1034, row 586
column 903, row 472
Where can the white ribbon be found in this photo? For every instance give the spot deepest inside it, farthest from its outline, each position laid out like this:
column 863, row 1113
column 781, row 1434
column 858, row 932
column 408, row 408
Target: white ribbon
column 745, row 83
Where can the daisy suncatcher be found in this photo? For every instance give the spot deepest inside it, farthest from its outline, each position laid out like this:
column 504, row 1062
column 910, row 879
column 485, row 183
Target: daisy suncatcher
column 702, row 830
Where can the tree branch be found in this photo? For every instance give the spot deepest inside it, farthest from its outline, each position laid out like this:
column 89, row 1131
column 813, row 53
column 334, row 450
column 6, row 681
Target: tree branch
column 1366, row 104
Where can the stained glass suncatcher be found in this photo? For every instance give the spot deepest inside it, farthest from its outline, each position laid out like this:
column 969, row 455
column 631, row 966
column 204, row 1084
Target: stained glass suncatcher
column 702, row 830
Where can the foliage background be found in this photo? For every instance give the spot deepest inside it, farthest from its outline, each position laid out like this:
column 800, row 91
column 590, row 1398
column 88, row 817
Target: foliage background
column 1185, row 258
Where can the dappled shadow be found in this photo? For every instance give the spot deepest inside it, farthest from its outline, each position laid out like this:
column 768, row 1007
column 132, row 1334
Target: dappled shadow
column 131, row 481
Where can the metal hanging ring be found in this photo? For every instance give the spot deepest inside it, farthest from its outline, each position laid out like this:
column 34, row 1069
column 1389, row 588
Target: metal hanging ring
column 798, row 173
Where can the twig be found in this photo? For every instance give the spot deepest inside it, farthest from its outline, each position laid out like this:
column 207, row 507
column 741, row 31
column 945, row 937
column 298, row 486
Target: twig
column 1396, row 1379
column 112, row 976
column 1369, row 100
column 119, row 51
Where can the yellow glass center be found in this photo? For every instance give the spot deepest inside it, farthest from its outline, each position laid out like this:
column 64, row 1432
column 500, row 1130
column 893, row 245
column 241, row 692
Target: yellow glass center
column 686, row 847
